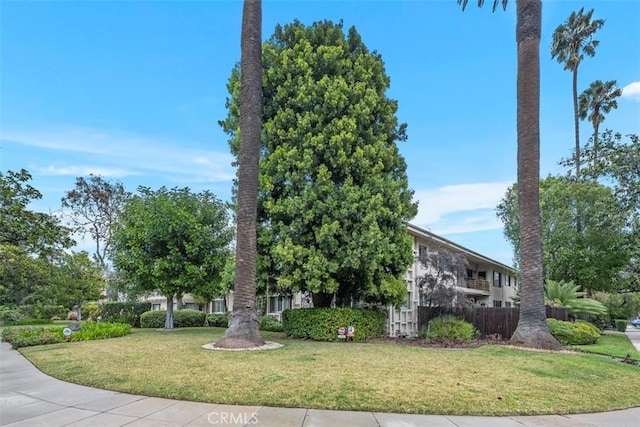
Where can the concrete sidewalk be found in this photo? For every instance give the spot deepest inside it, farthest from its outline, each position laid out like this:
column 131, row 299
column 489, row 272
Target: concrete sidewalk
column 30, row 398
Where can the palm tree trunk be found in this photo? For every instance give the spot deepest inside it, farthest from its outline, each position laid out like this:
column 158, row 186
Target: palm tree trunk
column 532, row 330
column 244, row 324
column 596, row 127
column 576, row 120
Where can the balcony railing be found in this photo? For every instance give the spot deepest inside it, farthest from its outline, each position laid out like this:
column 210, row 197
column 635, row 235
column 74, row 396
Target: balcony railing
column 477, row 284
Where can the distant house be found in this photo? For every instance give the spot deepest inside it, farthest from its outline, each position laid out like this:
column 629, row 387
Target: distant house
column 487, row 283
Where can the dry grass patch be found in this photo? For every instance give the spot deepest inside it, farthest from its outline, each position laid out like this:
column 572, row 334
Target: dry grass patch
column 491, row 380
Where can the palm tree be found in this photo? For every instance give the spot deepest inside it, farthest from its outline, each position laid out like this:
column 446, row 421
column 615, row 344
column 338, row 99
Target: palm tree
column 598, row 99
column 244, row 324
column 532, row 330
column 567, row 294
column 570, row 41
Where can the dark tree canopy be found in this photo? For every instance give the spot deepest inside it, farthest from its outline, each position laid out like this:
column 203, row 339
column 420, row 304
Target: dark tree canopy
column 35, row 233
column 591, row 258
column 333, row 191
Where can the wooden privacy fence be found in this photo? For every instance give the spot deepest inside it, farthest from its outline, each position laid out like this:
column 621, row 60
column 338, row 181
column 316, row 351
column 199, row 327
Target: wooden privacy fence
column 488, row 320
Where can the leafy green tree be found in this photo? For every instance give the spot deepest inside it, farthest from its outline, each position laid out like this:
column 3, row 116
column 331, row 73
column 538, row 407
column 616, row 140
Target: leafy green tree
column 571, row 41
column 172, row 242
column 244, row 323
column 95, row 204
column 76, row 279
column 567, row 294
column 618, row 167
column 532, row 330
column 36, row 233
column 592, row 258
column 594, row 103
column 333, row 195
column 23, row 278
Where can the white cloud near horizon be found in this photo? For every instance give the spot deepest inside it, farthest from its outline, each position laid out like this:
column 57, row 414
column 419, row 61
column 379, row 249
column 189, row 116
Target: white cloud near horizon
column 632, row 90
column 462, row 208
column 116, row 154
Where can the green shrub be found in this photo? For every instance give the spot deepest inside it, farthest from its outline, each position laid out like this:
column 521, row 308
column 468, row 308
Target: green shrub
column 573, row 333
column 49, row 311
column 181, row 318
column 449, row 328
column 153, row 319
column 90, row 311
column 187, row 318
column 25, row 337
column 322, row 323
column 271, row 324
column 621, row 325
column 219, row 320
column 9, row 313
column 25, row 322
column 124, row 312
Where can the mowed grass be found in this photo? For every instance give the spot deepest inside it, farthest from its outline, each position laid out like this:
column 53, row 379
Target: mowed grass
column 491, row 380
column 615, row 344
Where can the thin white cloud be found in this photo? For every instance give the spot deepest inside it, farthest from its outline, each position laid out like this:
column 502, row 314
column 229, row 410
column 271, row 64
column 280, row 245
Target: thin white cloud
column 460, row 208
column 84, row 171
column 632, row 90
column 121, row 153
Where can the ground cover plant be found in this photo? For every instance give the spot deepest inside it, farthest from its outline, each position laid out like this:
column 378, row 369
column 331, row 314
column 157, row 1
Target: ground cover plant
column 31, row 336
column 490, row 380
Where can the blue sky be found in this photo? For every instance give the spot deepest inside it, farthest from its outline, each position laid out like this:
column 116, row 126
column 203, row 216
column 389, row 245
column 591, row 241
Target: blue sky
column 133, row 91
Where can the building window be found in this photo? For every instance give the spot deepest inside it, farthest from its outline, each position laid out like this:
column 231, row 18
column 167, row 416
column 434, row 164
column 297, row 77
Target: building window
column 469, row 274
column 497, row 303
column 482, row 275
column 497, row 279
column 507, row 303
column 155, row 307
column 191, row 306
column 422, row 251
column 507, row 280
column 218, row 306
column 279, row 304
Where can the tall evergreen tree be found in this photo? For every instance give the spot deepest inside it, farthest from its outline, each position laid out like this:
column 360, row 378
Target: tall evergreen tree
column 334, row 196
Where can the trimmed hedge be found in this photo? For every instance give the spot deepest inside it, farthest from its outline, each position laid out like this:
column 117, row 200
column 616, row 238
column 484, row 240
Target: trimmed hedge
column 25, row 322
column 621, row 325
column 573, row 333
column 25, row 337
column 219, row 320
column 322, row 323
column 271, row 324
column 181, row 318
column 449, row 328
column 124, row 312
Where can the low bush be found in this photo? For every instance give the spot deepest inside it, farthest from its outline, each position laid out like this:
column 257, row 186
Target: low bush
column 621, row 325
column 49, row 311
column 26, row 337
column 90, row 311
column 123, row 312
column 573, row 333
column 322, row 323
column 219, row 320
column 271, row 324
column 449, row 328
column 25, row 322
column 181, row 318
column 188, row 318
column 9, row 313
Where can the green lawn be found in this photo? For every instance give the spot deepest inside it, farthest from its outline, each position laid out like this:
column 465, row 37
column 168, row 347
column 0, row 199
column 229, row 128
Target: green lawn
column 614, row 344
column 491, row 380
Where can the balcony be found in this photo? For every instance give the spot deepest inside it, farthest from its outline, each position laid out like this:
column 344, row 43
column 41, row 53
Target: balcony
column 475, row 287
